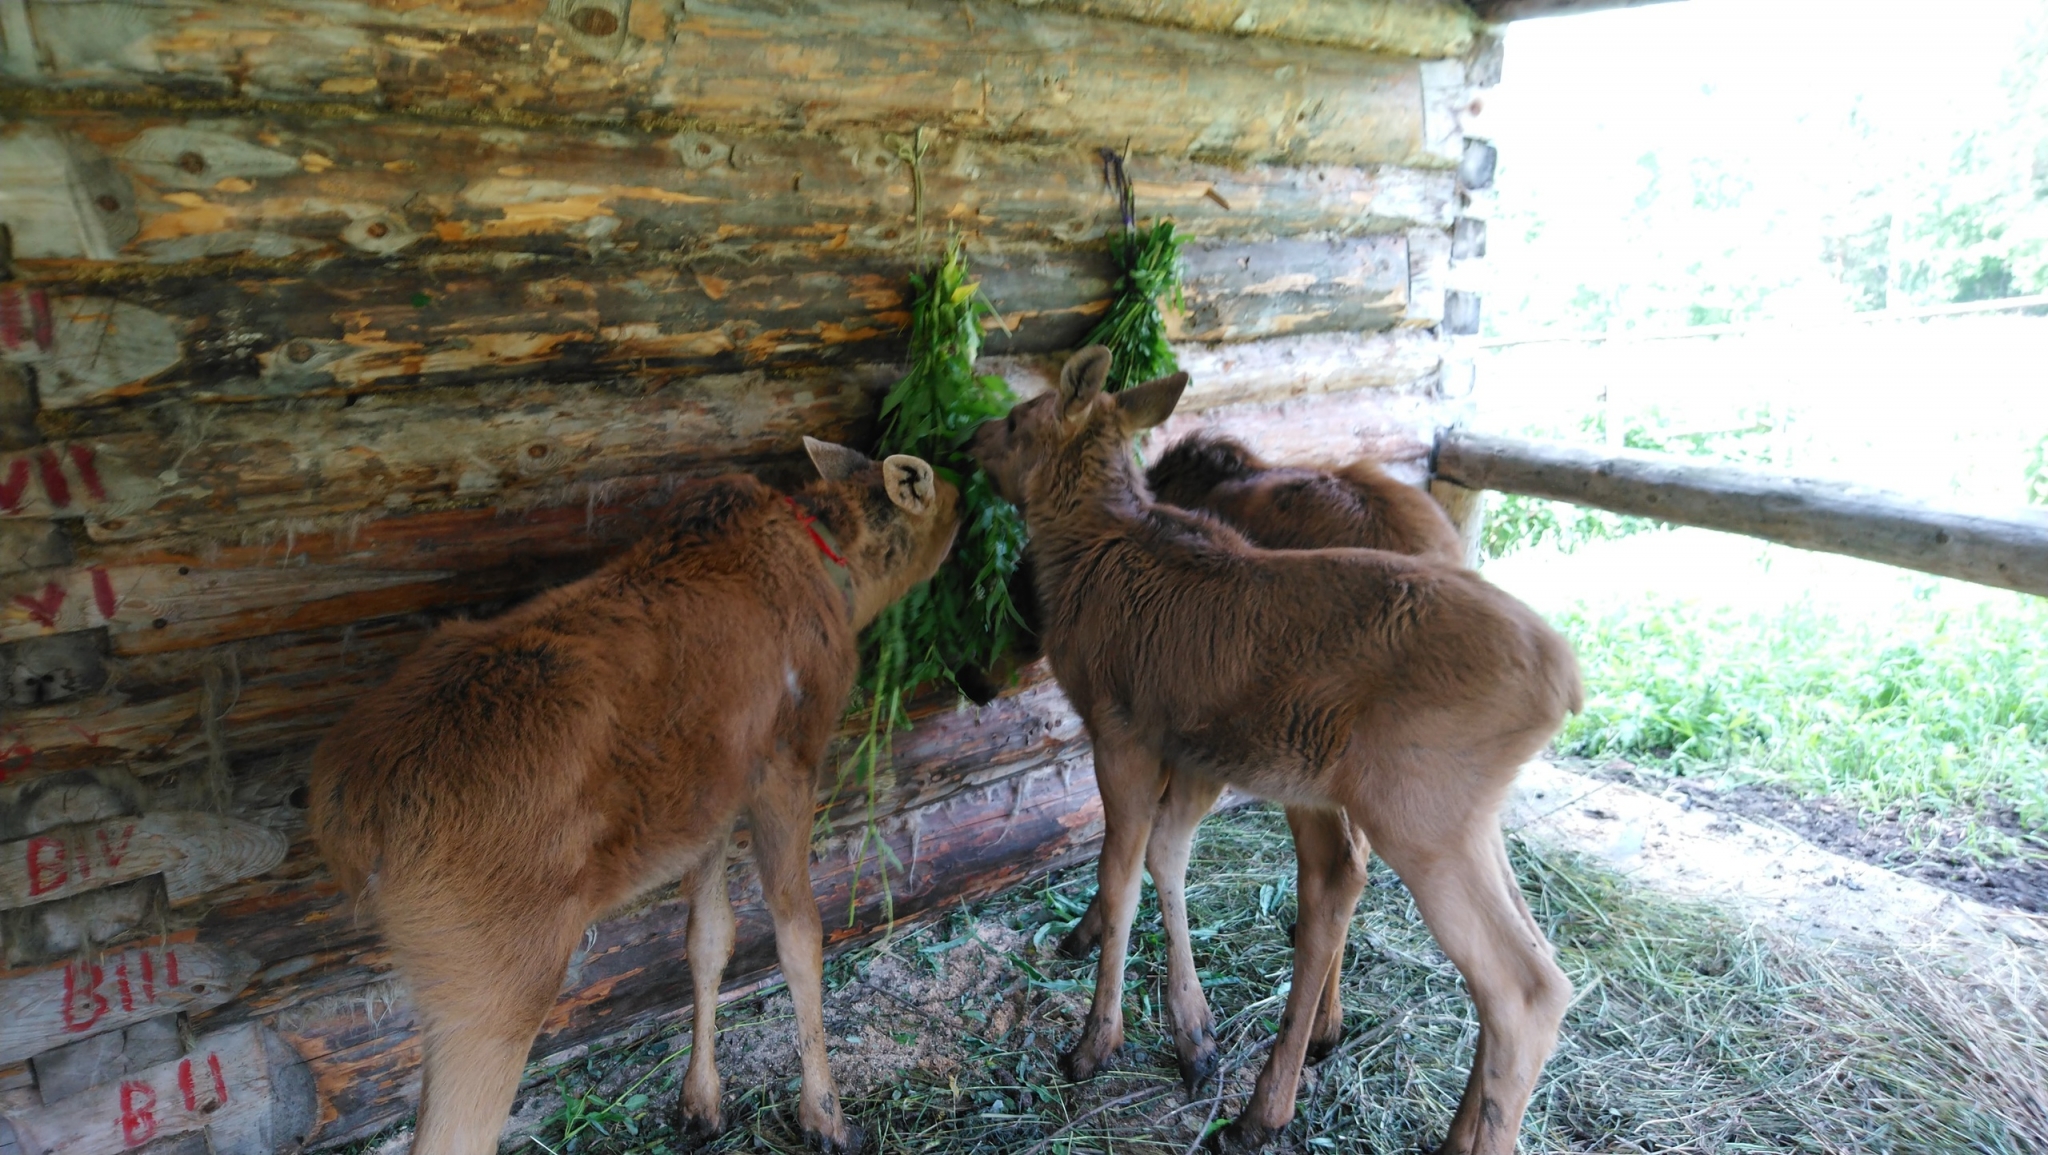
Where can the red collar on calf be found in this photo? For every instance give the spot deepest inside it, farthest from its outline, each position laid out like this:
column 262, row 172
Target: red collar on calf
column 842, row 574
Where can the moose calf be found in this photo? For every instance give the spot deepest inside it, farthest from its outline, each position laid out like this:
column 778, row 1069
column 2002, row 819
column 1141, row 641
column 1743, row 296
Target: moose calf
column 518, row 777
column 1275, row 507
column 1395, row 696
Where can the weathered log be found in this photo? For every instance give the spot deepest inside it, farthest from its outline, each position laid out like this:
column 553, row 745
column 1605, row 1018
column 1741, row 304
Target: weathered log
column 1502, row 11
column 2010, row 552
column 80, row 998
column 348, row 328
column 288, row 191
column 194, row 852
column 995, row 73
column 1430, row 29
column 249, row 1092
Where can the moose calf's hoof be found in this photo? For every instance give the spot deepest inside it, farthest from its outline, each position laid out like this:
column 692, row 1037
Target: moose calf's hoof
column 848, row 1142
column 1320, row 1046
column 1242, row 1137
column 1079, row 1066
column 697, row 1129
column 1079, row 943
column 1198, row 1058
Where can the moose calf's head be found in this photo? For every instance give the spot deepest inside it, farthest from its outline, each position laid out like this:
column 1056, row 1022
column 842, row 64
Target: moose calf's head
column 1056, row 446
column 898, row 524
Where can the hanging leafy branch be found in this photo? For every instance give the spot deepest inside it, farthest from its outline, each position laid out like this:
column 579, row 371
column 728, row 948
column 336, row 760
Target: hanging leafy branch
column 963, row 616
column 1148, row 265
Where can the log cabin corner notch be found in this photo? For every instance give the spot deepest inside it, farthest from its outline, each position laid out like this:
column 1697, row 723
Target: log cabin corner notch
column 316, row 333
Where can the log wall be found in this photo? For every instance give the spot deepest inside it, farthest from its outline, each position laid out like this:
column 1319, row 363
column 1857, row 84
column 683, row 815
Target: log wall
column 321, row 323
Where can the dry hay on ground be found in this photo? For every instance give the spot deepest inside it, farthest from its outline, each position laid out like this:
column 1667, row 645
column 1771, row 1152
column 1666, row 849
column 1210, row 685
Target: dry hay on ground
column 1691, row 1032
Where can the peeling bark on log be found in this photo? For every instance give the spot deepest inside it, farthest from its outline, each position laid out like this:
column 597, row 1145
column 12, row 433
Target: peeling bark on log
column 1810, row 513
column 288, row 191
column 995, row 73
column 1423, row 28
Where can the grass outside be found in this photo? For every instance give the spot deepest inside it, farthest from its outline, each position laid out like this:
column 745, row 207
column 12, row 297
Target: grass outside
column 1691, row 1032
column 1935, row 708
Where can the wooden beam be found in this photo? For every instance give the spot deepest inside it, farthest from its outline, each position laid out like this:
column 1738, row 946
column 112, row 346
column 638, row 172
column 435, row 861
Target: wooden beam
column 995, row 72
column 2009, row 552
column 294, row 191
column 1502, row 11
column 1430, row 29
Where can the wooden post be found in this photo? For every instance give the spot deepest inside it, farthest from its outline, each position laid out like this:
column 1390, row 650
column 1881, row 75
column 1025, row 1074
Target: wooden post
column 1811, row 513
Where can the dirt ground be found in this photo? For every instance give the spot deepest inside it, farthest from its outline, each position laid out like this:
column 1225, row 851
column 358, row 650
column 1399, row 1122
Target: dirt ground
column 1950, row 851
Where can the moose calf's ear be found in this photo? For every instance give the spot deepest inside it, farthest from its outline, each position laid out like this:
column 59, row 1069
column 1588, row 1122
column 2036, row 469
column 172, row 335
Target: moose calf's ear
column 835, row 462
column 1083, row 378
column 910, row 482
column 1149, row 404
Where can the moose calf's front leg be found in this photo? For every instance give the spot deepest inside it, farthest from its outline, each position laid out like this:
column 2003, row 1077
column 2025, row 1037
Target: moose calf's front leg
column 1185, row 804
column 1130, row 780
column 782, row 844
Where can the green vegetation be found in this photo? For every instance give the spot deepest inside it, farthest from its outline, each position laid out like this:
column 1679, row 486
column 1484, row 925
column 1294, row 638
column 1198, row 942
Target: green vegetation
column 963, row 615
column 1134, row 330
column 1933, row 709
column 1690, row 1032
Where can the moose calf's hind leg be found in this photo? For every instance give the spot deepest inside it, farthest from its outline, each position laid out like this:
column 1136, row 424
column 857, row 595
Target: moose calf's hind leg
column 481, row 997
column 1329, row 830
column 1332, row 873
column 1467, row 894
column 1130, row 782
column 782, row 842
column 710, row 945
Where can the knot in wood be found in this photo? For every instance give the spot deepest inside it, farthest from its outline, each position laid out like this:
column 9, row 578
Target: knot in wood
column 594, row 21
column 107, row 203
column 192, row 162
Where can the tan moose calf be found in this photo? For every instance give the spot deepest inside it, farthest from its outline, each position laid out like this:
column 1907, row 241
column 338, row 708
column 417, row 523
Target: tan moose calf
column 519, row 777
column 1395, row 695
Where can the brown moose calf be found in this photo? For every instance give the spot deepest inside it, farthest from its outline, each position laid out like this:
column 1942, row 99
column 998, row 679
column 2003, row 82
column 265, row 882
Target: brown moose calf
column 518, row 777
column 1395, row 696
column 1275, row 507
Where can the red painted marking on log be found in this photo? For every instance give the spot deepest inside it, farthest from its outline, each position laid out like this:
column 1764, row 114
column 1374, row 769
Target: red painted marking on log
column 39, row 308
column 88, row 470
column 121, row 984
column 44, row 609
column 185, row 1085
column 170, row 968
column 95, row 1003
column 138, row 1113
column 15, row 757
column 220, row 1081
column 55, row 485
column 15, row 485
column 149, row 977
column 40, row 872
column 112, row 853
column 92, row 737
column 10, row 317
column 103, row 593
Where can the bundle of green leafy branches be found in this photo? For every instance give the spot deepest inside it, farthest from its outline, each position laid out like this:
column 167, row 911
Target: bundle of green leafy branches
column 1134, row 329
column 964, row 615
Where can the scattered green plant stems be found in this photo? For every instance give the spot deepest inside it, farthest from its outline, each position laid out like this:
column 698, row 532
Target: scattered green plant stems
column 963, row 616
